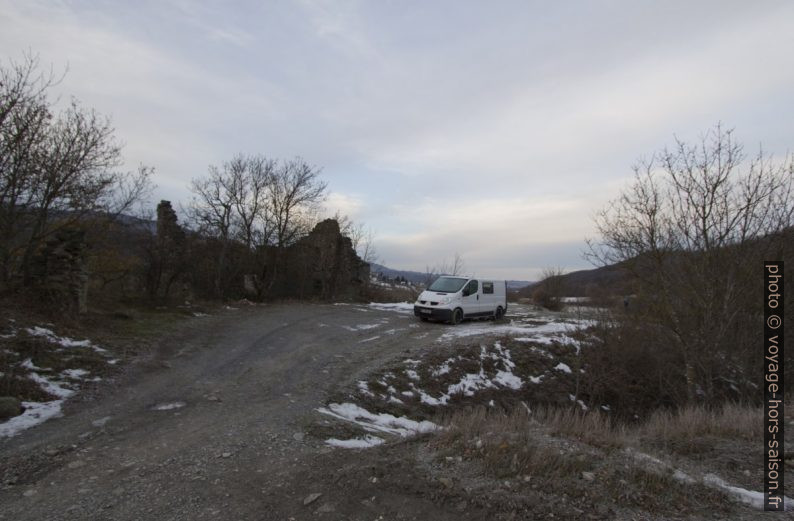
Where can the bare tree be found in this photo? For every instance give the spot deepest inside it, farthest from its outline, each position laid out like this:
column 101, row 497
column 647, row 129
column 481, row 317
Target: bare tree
column 458, row 265
column 55, row 168
column 691, row 229
column 361, row 237
column 295, row 191
column 251, row 179
column 455, row 267
column 212, row 211
column 294, row 196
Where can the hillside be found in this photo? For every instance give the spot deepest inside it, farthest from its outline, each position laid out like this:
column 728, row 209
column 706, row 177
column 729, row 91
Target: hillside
column 607, row 279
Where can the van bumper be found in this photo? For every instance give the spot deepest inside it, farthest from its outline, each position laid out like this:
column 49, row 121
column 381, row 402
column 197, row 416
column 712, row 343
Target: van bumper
column 434, row 313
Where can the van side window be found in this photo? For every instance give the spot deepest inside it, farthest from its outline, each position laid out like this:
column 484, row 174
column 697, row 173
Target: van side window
column 472, row 287
column 487, row 287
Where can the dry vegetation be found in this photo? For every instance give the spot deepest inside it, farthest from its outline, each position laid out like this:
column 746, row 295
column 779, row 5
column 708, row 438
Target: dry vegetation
column 579, row 459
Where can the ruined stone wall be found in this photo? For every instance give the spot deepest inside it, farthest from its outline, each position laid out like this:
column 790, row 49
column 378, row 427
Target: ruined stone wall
column 59, row 270
column 322, row 265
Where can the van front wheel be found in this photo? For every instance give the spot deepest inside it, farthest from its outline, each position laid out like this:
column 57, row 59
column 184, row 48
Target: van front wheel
column 457, row 316
column 500, row 313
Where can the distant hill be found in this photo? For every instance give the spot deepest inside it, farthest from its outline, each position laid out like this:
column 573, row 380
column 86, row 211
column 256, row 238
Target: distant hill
column 611, row 279
column 415, row 277
column 418, row 277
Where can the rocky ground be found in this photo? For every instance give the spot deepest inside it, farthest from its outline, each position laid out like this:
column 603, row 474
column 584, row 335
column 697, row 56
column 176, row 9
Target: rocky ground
column 244, row 414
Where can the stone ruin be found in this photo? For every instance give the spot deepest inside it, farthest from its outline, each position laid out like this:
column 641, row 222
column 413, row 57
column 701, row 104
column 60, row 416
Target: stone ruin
column 321, row 265
column 59, row 271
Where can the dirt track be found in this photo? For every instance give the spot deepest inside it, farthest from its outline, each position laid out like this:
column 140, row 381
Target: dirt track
column 250, row 381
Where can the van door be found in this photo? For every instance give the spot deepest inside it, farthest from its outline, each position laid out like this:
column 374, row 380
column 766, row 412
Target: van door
column 471, row 299
column 488, row 300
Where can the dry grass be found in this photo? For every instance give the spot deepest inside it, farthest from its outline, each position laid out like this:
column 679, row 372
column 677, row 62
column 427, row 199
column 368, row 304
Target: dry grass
column 588, row 471
column 592, row 427
column 695, row 428
column 509, row 445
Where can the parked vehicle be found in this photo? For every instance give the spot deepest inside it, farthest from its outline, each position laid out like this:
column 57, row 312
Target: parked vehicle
column 453, row 299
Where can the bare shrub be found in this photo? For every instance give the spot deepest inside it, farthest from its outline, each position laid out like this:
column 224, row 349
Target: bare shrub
column 548, row 292
column 692, row 230
column 629, row 367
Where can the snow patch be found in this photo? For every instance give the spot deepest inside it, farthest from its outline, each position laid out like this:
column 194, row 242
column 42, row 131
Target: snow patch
column 61, row 340
column 168, row 406
column 363, row 388
column 399, row 307
column 51, row 386
column 383, row 422
column 355, row 443
column 35, row 414
column 506, row 379
column 361, row 327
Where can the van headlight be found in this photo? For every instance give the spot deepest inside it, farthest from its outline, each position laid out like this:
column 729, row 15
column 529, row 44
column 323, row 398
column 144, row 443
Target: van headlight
column 445, row 300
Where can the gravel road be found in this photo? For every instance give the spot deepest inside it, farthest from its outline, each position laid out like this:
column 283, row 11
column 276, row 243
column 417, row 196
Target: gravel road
column 216, row 426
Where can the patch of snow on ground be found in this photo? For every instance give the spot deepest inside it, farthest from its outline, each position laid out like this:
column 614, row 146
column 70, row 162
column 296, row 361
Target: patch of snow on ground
column 361, row 327
column 100, row 422
column 382, row 422
column 400, row 307
column 355, row 443
column 28, row 364
column 506, row 379
column 370, row 339
column 527, row 330
column 50, row 386
column 443, row 368
column 168, row 406
column 76, row 374
column 35, row 414
column 413, row 375
column 363, row 388
column 748, row 497
column 61, row 340
column 569, row 300
column 471, row 383
column 563, row 367
column 430, row 400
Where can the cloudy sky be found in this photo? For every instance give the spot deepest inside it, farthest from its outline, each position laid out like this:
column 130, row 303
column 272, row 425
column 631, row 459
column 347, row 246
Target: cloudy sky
column 492, row 129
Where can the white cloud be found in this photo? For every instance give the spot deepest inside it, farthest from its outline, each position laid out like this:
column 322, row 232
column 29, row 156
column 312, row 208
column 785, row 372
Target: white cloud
column 344, row 204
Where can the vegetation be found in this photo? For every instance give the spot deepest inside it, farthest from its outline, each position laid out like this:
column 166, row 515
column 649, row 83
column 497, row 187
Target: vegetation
column 549, row 291
column 57, row 169
column 66, row 211
column 691, row 231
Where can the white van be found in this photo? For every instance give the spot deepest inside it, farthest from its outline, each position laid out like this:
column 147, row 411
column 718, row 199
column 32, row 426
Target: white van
column 453, row 299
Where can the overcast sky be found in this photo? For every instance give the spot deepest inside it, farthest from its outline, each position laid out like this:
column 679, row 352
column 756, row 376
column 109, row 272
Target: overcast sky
column 492, row 129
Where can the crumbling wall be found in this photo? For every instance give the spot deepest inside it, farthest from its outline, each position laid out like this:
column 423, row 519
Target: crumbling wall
column 59, row 270
column 321, row 265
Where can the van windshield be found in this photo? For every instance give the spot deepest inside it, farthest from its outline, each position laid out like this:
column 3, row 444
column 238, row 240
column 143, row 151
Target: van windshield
column 447, row 284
